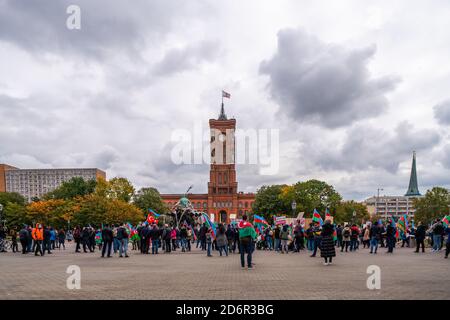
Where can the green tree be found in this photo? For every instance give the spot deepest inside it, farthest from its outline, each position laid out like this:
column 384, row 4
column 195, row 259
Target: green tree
column 116, row 188
column 71, row 189
column 432, row 206
column 11, row 197
column 149, row 198
column 121, row 189
column 344, row 212
column 96, row 210
column 268, row 201
column 15, row 215
column 310, row 195
column 13, row 208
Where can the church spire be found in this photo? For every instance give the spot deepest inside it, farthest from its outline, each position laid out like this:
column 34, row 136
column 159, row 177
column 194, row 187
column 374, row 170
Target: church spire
column 413, row 189
column 222, row 115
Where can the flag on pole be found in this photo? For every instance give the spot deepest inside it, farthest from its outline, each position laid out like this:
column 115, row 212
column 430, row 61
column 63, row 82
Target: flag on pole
column 226, row 94
column 446, row 221
column 209, row 224
column 150, row 219
column 259, row 220
column 317, row 218
column 154, row 213
column 327, row 214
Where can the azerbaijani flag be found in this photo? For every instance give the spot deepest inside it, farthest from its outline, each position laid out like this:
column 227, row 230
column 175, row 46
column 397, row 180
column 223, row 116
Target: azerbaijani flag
column 210, row 224
column 154, row 213
column 317, row 218
column 402, row 223
column 327, row 214
column 259, row 220
column 446, row 221
column 193, row 232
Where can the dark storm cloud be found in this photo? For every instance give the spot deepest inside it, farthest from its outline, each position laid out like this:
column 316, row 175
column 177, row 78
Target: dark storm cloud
column 327, row 85
column 367, row 147
column 107, row 27
column 442, row 112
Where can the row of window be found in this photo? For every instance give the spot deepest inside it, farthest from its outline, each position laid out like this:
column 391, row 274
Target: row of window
column 226, row 204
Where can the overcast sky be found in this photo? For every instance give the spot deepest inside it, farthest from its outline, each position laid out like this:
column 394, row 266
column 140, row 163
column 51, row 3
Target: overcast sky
column 353, row 86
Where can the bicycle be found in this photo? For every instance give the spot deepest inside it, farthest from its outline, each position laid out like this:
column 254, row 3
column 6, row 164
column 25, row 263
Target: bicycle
column 5, row 245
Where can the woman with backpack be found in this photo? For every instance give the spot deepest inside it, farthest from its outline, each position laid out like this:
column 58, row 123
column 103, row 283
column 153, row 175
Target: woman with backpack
column 346, row 233
column 284, row 237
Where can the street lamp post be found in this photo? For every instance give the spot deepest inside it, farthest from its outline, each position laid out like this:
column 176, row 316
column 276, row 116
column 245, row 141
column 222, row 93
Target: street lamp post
column 353, row 217
column 294, row 206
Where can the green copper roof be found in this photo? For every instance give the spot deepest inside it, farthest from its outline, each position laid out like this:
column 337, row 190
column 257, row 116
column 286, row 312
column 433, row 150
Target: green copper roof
column 413, row 189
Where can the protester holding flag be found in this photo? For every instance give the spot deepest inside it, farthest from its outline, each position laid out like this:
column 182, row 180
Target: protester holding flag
column 247, row 234
column 327, row 250
column 317, row 237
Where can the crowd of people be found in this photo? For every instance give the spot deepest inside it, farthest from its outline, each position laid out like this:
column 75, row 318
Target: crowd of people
column 242, row 238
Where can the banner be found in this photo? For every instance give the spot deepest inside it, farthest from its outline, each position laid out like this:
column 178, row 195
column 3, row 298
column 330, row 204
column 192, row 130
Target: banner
column 280, row 220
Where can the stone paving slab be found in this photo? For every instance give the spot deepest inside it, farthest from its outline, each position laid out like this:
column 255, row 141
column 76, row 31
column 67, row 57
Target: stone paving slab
column 184, row 276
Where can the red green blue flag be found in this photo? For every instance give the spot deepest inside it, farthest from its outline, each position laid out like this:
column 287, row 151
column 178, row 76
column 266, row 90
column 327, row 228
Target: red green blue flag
column 259, row 220
column 446, row 221
column 317, row 218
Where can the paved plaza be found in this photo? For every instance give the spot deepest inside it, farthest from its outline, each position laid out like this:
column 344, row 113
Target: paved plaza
column 404, row 275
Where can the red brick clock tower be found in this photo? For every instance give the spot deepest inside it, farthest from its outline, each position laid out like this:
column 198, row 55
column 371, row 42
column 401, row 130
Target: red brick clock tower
column 222, row 185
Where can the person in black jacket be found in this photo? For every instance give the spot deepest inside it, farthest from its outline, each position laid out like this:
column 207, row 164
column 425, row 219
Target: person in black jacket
column 420, row 237
column 183, row 237
column 155, row 234
column 46, row 242
column 202, row 236
column 327, row 250
column 85, row 238
column 24, row 236
column 107, row 239
column 148, row 237
column 390, row 237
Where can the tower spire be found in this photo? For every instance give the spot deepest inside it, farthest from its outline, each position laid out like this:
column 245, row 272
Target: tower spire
column 222, row 115
column 413, row 189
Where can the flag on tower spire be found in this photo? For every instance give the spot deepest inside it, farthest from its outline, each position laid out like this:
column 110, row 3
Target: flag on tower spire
column 222, row 115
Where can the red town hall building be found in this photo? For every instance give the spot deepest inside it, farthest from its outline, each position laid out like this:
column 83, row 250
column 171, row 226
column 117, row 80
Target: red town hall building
column 223, row 202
